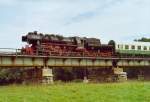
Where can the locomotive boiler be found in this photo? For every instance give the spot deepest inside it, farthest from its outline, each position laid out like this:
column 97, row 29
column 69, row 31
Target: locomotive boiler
column 57, row 45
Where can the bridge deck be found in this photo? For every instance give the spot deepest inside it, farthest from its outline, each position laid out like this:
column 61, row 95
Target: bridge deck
column 14, row 60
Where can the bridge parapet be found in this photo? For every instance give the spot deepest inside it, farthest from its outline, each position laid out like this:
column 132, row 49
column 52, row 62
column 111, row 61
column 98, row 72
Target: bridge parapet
column 55, row 61
column 134, row 63
column 41, row 61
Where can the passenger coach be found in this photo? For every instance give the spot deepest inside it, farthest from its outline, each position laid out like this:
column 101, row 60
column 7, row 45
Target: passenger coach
column 134, row 48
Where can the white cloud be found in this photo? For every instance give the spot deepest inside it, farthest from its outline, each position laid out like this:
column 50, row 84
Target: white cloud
column 105, row 19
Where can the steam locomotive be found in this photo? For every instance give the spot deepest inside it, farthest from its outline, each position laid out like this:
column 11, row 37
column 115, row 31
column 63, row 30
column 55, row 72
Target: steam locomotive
column 57, row 45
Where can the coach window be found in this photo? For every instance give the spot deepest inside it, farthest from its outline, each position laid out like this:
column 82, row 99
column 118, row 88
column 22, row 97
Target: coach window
column 145, row 48
column 132, row 47
column 139, row 47
column 126, row 47
column 121, row 46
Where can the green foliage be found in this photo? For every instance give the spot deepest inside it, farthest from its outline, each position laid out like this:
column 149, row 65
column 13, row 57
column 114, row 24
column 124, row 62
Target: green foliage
column 143, row 39
column 69, row 74
column 63, row 74
column 78, row 92
column 10, row 75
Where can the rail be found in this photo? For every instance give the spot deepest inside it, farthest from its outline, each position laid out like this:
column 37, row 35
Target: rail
column 10, row 51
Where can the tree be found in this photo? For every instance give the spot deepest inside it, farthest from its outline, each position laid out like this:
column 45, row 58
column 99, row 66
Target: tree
column 64, row 74
column 10, row 75
column 143, row 39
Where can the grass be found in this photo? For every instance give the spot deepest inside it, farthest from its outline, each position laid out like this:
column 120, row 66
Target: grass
column 77, row 92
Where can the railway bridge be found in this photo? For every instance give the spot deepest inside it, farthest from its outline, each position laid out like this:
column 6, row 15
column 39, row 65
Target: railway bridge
column 47, row 63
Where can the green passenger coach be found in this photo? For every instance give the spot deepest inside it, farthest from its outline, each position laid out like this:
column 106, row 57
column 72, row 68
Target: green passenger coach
column 135, row 48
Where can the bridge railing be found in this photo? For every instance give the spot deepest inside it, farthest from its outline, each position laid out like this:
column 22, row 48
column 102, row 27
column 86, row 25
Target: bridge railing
column 13, row 51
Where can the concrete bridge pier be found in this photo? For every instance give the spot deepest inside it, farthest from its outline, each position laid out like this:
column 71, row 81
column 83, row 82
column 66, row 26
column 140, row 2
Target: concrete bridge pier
column 140, row 74
column 119, row 74
column 47, row 74
column 85, row 78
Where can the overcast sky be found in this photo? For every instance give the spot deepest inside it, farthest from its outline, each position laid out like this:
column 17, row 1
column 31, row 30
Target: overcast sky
column 121, row 20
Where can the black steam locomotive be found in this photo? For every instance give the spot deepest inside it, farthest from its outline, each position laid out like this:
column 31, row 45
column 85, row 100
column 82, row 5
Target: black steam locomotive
column 57, row 45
